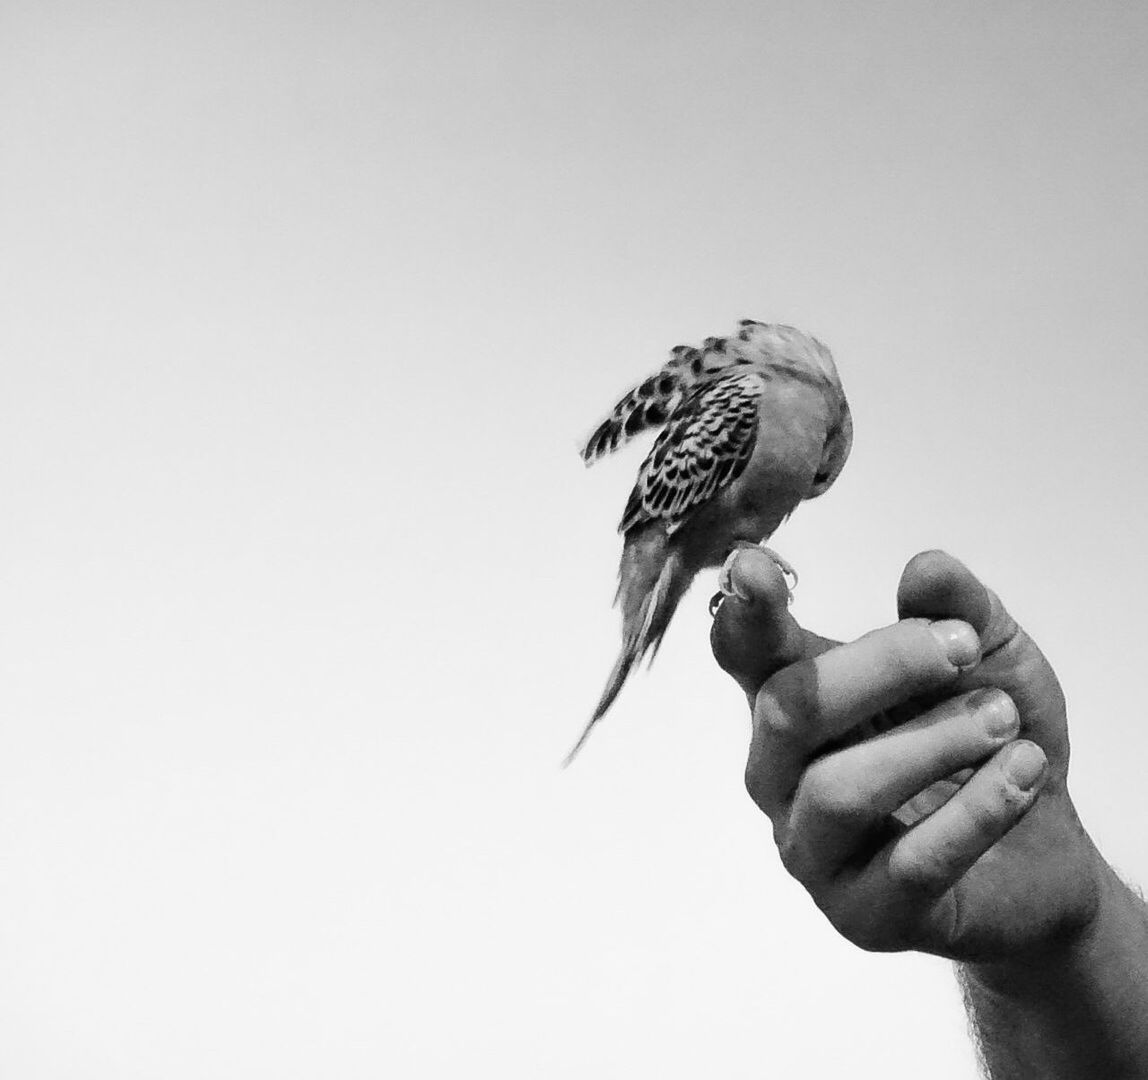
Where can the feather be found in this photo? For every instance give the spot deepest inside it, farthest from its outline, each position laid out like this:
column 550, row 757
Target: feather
column 758, row 418
column 651, row 583
column 649, row 404
column 705, row 446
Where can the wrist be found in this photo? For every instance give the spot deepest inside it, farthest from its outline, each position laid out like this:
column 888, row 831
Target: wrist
column 1110, row 925
column 1072, row 1005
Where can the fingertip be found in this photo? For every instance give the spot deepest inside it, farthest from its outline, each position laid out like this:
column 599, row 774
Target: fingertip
column 757, row 579
column 928, row 573
column 936, row 851
column 1025, row 766
column 958, row 641
column 753, row 634
column 936, row 585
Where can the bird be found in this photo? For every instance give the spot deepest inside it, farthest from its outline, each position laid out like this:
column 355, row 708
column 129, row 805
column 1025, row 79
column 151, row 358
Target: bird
column 750, row 426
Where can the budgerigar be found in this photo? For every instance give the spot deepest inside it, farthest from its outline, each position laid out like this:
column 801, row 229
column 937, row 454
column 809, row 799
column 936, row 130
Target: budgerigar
column 752, row 424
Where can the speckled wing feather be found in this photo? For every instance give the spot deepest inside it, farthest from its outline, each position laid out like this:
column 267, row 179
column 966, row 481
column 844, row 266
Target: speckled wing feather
column 649, row 404
column 644, row 407
column 706, row 444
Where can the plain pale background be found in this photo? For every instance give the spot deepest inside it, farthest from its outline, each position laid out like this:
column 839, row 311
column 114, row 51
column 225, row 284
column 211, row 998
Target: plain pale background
column 305, row 592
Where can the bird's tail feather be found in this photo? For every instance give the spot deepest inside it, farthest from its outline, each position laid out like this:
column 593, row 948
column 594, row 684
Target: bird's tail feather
column 647, row 608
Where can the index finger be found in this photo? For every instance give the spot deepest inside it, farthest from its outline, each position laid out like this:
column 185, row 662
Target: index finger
column 811, row 705
column 753, row 634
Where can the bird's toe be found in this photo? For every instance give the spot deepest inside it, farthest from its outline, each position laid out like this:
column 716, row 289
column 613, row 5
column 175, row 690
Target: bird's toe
column 785, row 567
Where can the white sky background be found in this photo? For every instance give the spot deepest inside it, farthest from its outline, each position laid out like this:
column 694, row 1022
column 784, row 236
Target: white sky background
column 304, row 591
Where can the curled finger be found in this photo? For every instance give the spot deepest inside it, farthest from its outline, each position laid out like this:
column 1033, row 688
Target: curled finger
column 753, row 633
column 932, row 855
column 808, row 706
column 846, row 797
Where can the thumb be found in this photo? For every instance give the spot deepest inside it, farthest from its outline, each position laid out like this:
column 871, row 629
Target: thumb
column 934, row 585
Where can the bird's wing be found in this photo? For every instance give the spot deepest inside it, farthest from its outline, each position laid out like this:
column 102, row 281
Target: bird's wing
column 651, row 402
column 704, row 446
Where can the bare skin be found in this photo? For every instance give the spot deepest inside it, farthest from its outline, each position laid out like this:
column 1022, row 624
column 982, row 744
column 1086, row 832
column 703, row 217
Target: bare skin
column 916, row 782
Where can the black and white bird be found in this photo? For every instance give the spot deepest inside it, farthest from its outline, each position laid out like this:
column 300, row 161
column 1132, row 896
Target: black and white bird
column 752, row 424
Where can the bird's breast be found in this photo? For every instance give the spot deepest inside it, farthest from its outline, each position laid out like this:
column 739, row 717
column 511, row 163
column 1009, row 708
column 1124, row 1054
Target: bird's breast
column 793, row 424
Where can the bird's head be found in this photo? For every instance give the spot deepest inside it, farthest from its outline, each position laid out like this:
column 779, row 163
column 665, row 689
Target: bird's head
column 785, row 346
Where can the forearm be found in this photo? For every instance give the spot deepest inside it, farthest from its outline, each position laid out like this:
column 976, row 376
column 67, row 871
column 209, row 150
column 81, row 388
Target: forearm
column 1079, row 1011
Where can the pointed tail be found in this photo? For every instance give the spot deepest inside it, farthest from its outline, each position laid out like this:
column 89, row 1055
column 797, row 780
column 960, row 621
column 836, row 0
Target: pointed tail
column 651, row 583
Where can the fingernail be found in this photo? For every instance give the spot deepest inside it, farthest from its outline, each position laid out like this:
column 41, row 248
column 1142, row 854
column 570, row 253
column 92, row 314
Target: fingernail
column 997, row 713
column 1025, row 765
column 960, row 642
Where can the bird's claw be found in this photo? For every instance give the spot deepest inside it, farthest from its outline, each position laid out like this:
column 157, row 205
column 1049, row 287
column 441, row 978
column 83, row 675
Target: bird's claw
column 725, row 579
column 785, row 567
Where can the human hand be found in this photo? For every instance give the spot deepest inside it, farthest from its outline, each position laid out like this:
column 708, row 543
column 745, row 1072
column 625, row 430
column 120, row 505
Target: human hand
column 951, row 832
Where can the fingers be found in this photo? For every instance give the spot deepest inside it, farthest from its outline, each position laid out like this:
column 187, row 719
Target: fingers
column 844, row 796
column 931, row 856
column 753, row 634
column 806, row 707
column 903, row 895
column 934, row 585
column 883, row 830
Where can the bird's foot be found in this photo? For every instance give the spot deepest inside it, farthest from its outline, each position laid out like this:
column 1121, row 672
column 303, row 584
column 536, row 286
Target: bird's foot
column 725, row 584
column 783, row 565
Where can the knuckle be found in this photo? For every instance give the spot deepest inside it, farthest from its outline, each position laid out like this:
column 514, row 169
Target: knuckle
column 982, row 818
column 919, row 869
column 755, row 781
column 905, row 656
column 774, row 721
column 787, row 706
column 825, row 795
column 794, row 854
